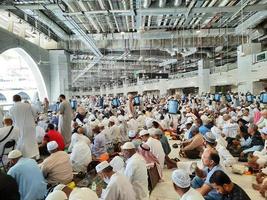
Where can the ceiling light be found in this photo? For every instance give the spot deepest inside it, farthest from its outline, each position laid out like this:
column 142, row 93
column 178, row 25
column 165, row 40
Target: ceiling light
column 122, row 33
column 198, row 31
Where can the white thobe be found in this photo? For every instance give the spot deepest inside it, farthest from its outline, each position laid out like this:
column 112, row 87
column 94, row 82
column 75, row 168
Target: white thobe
column 123, row 132
column 133, row 125
column 76, row 138
column 192, row 194
column 1, row 117
column 80, row 156
column 118, row 188
column 23, row 115
column 141, row 121
column 99, row 146
column 136, row 171
column 115, row 134
column 14, row 135
column 157, row 150
column 40, row 133
column 230, row 130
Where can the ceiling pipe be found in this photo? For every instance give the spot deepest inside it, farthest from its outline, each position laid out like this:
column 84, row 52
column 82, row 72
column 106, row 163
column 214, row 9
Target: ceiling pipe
column 146, row 3
column 162, row 3
column 177, row 3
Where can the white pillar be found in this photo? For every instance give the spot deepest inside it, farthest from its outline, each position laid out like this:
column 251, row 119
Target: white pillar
column 203, row 76
column 244, row 64
column 60, row 76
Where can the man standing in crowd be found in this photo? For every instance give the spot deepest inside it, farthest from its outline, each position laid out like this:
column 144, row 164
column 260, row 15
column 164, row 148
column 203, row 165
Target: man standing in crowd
column 23, row 115
column 65, row 118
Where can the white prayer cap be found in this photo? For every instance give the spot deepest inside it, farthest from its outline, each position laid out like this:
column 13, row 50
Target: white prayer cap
column 205, row 119
column 14, row 154
column 209, row 137
column 139, row 113
column 264, row 130
column 101, row 166
column 128, row 145
column 112, row 119
column 143, row 132
column 42, row 117
column 100, row 125
column 52, row 145
column 158, row 132
column 252, row 105
column 59, row 187
column 82, row 194
column 234, row 118
column 57, row 195
column 130, row 116
column 264, row 170
column 132, row 133
column 117, row 163
column 91, row 118
column 238, row 107
column 120, row 118
column 118, row 112
column 149, row 123
column 85, row 120
column 126, row 118
column 93, row 124
column 189, row 120
column 181, row 178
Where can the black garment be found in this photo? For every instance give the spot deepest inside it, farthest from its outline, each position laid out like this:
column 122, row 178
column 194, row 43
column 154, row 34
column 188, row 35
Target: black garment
column 236, row 194
column 8, row 187
column 256, row 140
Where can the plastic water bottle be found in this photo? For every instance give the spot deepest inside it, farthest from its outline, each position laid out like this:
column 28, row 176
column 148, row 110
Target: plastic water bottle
column 93, row 187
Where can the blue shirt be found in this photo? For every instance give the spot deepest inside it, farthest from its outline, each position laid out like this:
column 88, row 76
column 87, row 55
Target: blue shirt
column 203, row 130
column 29, row 178
column 213, row 193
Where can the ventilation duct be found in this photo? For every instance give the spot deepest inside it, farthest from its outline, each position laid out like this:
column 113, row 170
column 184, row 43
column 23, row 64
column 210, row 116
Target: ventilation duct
column 146, row 3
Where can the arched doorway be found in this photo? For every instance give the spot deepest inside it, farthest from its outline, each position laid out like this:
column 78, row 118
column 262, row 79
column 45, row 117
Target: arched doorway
column 24, row 96
column 2, row 98
column 20, row 74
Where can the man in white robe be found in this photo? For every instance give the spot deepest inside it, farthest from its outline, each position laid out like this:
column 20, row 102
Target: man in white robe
column 118, row 188
column 23, row 115
column 136, row 171
column 154, row 145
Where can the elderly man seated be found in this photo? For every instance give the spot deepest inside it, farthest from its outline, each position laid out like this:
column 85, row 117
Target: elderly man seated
column 57, row 167
column 193, row 147
column 256, row 143
column 201, row 182
column 28, row 176
column 80, row 156
column 181, row 183
column 259, row 158
column 76, row 137
column 118, row 185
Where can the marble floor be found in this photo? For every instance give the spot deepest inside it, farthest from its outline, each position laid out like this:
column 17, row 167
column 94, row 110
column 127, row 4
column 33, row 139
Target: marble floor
column 164, row 190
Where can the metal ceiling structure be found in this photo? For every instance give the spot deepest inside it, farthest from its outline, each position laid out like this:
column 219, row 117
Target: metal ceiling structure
column 112, row 40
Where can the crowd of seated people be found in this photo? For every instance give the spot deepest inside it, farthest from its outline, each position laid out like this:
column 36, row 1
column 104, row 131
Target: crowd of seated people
column 124, row 142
